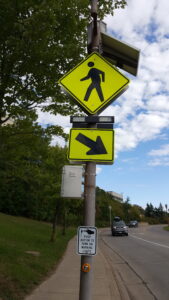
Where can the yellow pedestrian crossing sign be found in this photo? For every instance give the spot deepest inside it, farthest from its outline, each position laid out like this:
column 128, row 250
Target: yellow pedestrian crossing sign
column 91, row 145
column 94, row 83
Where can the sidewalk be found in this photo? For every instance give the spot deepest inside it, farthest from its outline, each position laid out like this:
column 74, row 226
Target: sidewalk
column 64, row 283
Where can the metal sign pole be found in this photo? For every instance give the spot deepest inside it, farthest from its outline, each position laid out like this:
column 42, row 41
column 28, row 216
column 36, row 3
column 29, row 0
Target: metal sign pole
column 86, row 275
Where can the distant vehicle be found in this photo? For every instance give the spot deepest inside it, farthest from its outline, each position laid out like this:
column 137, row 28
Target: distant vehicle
column 119, row 228
column 133, row 223
column 117, row 219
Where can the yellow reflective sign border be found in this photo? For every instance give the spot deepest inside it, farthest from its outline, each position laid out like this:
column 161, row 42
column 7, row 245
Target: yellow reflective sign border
column 91, row 145
column 90, row 97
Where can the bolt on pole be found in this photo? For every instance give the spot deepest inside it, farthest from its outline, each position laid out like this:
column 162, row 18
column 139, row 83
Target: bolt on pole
column 86, row 277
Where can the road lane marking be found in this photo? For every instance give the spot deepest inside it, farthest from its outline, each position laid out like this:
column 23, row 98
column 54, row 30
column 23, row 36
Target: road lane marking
column 156, row 244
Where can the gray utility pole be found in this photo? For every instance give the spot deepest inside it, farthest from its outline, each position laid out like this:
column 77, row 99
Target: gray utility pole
column 110, row 208
column 86, row 275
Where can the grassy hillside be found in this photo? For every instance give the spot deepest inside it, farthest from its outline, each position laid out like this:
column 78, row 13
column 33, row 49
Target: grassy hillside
column 26, row 254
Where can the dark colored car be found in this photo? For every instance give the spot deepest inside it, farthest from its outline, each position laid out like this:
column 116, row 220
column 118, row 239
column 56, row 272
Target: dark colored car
column 119, row 228
column 117, row 219
column 133, row 223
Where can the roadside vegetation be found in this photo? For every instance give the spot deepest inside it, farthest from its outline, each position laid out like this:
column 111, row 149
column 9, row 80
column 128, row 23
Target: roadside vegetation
column 156, row 215
column 27, row 255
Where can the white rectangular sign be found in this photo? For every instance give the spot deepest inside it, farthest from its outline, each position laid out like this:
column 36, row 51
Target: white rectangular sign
column 72, row 181
column 87, row 240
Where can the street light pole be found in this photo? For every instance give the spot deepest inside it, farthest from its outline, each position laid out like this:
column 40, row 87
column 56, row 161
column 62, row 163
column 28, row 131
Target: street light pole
column 86, row 275
column 110, row 208
column 96, row 30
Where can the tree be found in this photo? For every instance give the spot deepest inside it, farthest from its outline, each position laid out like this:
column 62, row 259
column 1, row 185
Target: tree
column 40, row 41
column 103, row 201
column 126, row 208
column 149, row 210
column 159, row 212
column 135, row 212
column 30, row 170
column 166, row 207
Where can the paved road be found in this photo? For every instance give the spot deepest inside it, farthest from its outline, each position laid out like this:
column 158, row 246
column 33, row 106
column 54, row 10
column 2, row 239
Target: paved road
column 140, row 261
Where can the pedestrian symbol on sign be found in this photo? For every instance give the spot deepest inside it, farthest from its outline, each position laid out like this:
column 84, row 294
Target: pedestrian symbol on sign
column 94, row 83
column 94, row 75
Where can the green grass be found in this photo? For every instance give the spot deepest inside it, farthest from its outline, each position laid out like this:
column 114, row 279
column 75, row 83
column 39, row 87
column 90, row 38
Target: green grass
column 20, row 272
column 166, row 228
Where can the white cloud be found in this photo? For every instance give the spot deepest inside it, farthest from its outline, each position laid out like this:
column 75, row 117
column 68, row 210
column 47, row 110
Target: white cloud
column 98, row 170
column 161, row 15
column 57, row 140
column 153, row 87
column 45, row 118
column 160, row 157
column 159, row 103
column 163, row 161
column 132, row 22
column 143, row 127
column 163, row 151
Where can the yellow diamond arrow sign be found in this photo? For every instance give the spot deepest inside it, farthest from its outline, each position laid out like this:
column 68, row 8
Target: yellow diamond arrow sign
column 91, row 145
column 94, row 83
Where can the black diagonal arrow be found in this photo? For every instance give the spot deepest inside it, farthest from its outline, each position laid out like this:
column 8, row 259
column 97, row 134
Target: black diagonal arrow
column 96, row 147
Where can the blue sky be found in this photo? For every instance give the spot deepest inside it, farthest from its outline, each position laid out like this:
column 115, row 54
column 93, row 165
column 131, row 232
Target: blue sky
column 141, row 167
